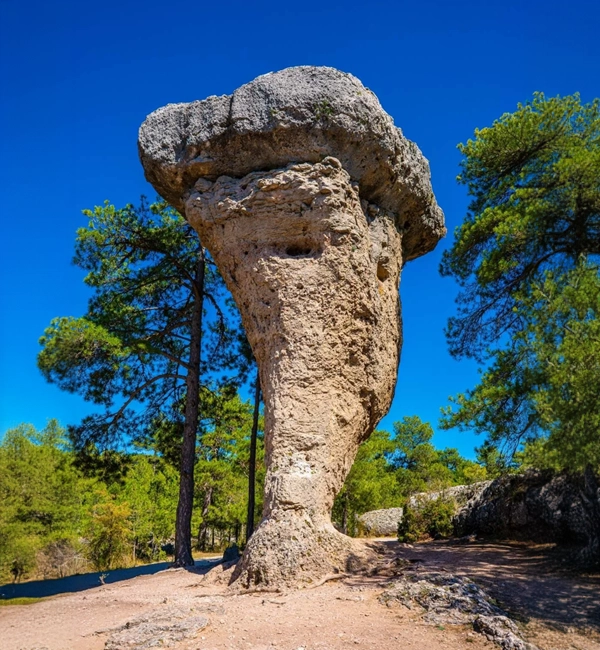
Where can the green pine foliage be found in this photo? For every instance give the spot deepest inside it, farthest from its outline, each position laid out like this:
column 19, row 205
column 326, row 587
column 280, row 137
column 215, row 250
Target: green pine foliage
column 222, row 465
column 370, row 485
column 535, row 206
column 129, row 353
column 40, row 497
column 157, row 328
column 430, row 518
column 56, row 521
column 542, row 391
column 526, row 258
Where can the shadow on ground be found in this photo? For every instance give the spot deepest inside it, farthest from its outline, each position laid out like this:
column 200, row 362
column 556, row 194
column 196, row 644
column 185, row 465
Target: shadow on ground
column 71, row 584
column 527, row 581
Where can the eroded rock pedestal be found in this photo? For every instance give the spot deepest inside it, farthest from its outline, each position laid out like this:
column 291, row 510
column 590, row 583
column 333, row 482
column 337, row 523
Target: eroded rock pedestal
column 311, row 246
column 315, row 276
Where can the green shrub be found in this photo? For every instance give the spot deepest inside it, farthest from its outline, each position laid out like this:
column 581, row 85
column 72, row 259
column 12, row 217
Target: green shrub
column 17, row 553
column 410, row 526
column 109, row 536
column 438, row 514
column 428, row 518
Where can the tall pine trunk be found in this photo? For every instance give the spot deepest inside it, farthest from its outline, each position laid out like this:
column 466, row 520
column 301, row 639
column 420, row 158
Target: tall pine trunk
column 252, row 463
column 183, row 522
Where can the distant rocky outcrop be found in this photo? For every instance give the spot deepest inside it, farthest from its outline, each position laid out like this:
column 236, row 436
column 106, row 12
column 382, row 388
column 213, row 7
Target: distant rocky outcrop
column 384, row 523
column 381, row 523
column 460, row 494
column 539, row 506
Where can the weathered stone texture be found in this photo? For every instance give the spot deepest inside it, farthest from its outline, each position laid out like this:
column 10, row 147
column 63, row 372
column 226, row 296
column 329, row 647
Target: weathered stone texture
column 450, row 600
column 301, row 114
column 310, row 201
column 163, row 628
column 381, row 523
column 538, row 506
column 460, row 494
column 315, row 275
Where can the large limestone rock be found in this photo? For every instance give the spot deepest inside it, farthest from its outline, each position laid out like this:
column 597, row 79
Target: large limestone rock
column 541, row 506
column 460, row 494
column 299, row 114
column 381, row 523
column 310, row 201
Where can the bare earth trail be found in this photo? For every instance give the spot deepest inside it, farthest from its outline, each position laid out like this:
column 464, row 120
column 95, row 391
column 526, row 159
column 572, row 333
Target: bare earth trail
column 557, row 611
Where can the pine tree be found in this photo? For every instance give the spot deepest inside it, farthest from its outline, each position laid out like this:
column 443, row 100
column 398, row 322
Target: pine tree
column 154, row 328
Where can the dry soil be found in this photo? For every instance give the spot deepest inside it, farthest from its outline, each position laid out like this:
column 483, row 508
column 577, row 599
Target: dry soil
column 555, row 608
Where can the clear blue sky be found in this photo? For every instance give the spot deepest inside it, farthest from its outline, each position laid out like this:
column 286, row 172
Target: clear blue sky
column 78, row 79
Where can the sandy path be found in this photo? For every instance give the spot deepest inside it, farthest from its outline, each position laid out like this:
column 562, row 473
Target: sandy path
column 556, row 608
column 337, row 615
column 332, row 616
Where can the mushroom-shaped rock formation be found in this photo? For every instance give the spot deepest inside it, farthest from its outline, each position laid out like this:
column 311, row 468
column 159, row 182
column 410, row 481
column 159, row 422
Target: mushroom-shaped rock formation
column 310, row 200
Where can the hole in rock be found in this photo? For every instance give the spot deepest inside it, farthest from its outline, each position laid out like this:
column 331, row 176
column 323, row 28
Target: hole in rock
column 298, row 251
column 382, row 272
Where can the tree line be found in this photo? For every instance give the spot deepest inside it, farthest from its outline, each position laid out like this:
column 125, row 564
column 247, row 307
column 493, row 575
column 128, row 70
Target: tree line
column 57, row 518
column 160, row 342
column 527, row 260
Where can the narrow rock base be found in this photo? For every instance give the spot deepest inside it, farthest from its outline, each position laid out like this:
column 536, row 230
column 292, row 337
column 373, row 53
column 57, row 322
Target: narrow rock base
column 291, row 550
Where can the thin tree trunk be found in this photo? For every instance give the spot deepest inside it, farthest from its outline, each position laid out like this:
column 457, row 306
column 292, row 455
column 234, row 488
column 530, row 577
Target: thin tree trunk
column 203, row 530
column 183, row 522
column 252, row 463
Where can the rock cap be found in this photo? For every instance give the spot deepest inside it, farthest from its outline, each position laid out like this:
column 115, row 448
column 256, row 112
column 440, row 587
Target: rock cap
column 300, row 114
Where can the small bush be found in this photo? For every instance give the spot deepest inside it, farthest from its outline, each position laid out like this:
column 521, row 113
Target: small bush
column 17, row 554
column 61, row 558
column 109, row 536
column 410, row 528
column 429, row 518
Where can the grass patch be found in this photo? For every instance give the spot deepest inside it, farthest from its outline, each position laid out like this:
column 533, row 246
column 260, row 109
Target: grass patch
column 4, row 602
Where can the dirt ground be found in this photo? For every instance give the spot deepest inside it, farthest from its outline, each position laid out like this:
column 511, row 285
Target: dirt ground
column 555, row 609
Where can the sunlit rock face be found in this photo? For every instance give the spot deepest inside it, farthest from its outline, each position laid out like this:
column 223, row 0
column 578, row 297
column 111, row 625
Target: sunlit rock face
column 309, row 200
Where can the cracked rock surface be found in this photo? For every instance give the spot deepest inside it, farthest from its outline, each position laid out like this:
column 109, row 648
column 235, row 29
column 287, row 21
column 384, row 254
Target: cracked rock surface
column 163, row 628
column 309, row 201
column 377, row 523
column 450, row 600
column 315, row 274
